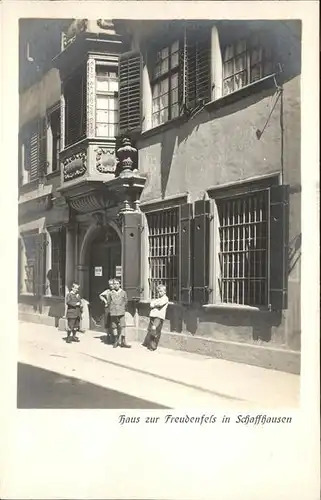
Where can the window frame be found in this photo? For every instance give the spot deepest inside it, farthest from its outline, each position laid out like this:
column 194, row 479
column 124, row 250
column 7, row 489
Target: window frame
column 247, row 53
column 166, row 76
column 231, row 192
column 177, row 279
column 61, row 280
column 110, row 68
column 24, row 262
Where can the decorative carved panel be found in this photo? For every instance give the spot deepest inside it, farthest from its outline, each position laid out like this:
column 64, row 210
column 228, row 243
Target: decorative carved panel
column 91, row 97
column 106, row 160
column 75, row 165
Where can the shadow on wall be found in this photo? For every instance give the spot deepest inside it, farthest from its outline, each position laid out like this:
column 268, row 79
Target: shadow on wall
column 186, row 127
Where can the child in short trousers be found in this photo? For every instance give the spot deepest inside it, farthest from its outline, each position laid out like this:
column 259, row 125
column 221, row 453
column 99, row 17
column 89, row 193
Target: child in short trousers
column 104, row 298
column 74, row 311
column 117, row 302
column 156, row 319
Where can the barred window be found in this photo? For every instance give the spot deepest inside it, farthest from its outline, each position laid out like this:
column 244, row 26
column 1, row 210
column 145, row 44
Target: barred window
column 163, row 251
column 56, row 273
column 245, row 61
column 243, row 252
column 106, row 102
column 165, row 84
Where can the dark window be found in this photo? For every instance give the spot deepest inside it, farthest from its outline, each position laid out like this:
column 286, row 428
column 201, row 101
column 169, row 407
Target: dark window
column 75, row 107
column 164, row 251
column 55, row 131
column 28, row 262
column 245, row 61
column 56, row 274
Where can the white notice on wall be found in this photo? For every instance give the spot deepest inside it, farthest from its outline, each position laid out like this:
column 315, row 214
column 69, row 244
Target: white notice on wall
column 98, row 271
column 118, row 271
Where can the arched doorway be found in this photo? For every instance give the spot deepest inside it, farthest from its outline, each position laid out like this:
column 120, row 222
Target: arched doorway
column 104, row 256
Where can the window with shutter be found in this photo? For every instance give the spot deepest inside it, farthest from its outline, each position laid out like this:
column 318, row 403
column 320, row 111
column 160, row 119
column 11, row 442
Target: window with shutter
column 198, row 66
column 34, row 150
column 181, row 73
column 130, row 95
column 31, row 153
column 75, row 107
column 253, row 247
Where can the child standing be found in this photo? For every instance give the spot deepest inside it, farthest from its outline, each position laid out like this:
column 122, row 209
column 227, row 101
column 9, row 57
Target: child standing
column 74, row 310
column 104, row 298
column 157, row 316
column 117, row 301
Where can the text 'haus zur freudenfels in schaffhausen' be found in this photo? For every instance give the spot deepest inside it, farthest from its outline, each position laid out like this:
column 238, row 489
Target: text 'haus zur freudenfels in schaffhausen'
column 165, row 152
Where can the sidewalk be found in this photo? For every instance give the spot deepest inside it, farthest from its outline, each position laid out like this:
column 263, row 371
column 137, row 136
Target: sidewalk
column 167, row 377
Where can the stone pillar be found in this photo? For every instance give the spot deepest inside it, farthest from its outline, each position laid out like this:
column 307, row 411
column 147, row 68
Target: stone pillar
column 91, row 97
column 216, row 65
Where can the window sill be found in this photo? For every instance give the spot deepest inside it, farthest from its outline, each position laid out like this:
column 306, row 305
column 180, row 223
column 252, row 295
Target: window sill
column 234, row 307
column 250, row 89
column 163, row 127
column 29, row 186
column 52, row 175
column 54, row 297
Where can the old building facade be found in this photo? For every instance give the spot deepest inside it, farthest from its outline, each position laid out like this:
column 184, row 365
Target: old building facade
column 169, row 152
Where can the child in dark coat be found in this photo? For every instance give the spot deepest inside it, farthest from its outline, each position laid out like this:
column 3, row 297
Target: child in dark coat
column 74, row 311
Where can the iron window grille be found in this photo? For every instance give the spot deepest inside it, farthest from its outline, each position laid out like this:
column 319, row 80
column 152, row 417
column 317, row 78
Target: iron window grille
column 106, row 102
column 164, row 251
column 243, row 254
column 165, row 84
column 245, row 61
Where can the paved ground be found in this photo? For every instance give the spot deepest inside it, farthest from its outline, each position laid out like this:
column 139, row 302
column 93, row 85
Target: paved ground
column 38, row 388
column 136, row 377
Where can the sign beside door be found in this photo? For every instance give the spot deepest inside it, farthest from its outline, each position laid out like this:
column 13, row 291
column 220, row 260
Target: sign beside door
column 98, row 271
column 118, row 271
